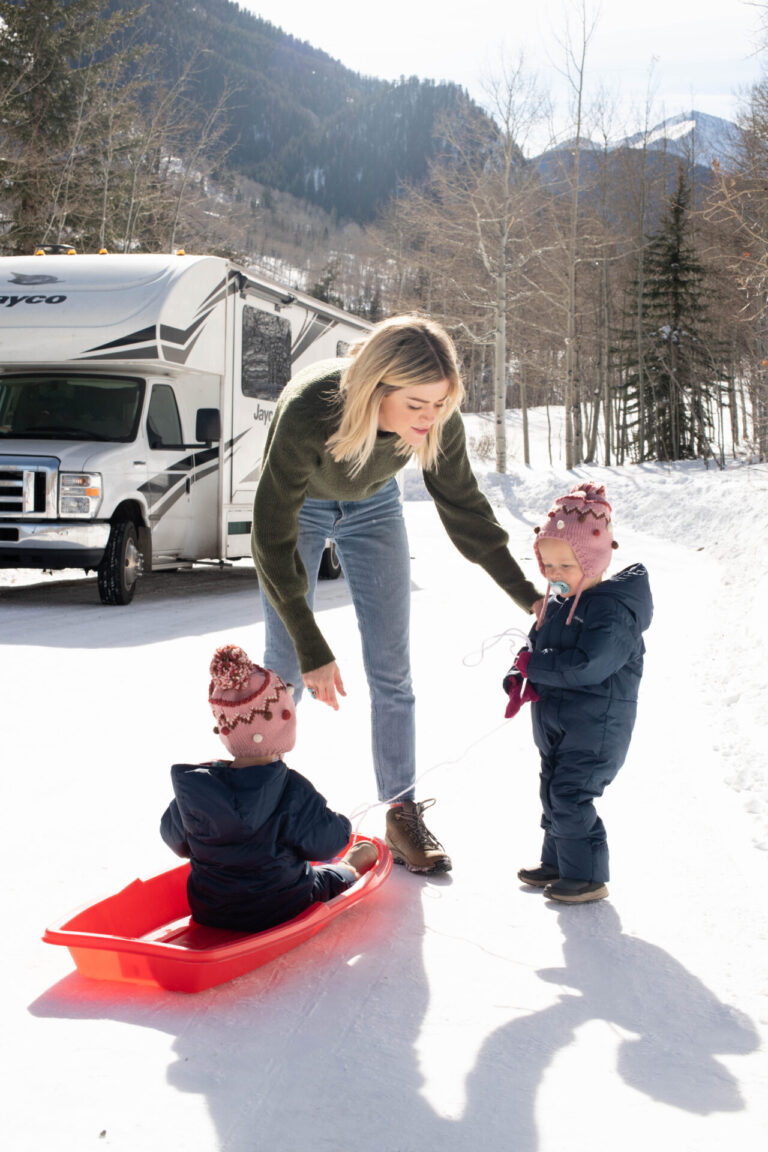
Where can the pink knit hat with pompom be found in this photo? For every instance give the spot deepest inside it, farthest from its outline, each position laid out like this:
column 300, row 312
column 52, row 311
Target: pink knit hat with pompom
column 252, row 707
column 583, row 520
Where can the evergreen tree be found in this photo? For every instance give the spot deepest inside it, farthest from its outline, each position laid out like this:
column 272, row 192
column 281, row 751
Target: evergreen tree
column 680, row 364
column 51, row 55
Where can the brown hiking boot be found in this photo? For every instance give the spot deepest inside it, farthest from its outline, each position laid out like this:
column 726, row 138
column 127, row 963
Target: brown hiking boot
column 410, row 841
column 361, row 857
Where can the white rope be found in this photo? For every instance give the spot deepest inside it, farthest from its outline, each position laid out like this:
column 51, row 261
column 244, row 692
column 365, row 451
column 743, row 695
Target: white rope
column 469, row 661
column 516, row 635
column 358, row 814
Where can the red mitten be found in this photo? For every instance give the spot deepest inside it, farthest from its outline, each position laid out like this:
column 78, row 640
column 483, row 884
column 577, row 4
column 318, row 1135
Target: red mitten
column 513, row 704
column 521, row 661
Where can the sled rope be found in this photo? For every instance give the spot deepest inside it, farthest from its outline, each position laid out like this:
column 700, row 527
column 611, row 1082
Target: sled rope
column 516, row 636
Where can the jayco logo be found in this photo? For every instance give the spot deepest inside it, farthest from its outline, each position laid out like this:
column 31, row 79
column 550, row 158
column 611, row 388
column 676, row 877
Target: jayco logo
column 12, row 301
column 261, row 415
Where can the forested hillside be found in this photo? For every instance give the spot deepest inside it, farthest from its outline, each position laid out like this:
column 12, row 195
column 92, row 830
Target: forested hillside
column 296, row 119
column 119, row 119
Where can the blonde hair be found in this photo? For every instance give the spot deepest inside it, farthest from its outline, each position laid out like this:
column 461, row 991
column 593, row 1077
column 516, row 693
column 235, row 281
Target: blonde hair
column 402, row 352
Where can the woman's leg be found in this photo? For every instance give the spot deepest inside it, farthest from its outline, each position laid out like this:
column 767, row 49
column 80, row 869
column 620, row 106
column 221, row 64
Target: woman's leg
column 372, row 544
column 315, row 526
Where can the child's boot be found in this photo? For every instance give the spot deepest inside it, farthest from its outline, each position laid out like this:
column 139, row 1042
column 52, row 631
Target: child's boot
column 539, row 876
column 576, row 891
column 361, row 857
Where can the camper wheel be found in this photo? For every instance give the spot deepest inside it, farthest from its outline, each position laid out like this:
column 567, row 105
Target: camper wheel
column 330, row 565
column 121, row 565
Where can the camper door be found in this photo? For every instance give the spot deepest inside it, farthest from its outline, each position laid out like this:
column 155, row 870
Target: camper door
column 262, row 368
column 182, row 489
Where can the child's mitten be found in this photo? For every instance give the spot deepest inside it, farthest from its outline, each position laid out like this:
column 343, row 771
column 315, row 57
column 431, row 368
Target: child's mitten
column 514, row 686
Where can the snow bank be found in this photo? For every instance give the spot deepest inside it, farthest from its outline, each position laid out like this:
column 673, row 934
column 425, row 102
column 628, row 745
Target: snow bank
column 453, row 1012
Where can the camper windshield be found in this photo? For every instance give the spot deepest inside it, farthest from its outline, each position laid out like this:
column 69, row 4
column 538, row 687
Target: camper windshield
column 53, row 407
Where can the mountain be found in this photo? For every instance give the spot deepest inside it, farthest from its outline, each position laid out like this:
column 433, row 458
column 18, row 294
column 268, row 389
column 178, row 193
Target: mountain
column 297, row 120
column 690, row 135
column 692, row 138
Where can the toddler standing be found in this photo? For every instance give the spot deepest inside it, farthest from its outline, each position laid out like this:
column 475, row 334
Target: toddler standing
column 583, row 668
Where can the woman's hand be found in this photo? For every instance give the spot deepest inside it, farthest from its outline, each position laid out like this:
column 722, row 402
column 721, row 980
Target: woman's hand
column 323, row 684
column 537, row 606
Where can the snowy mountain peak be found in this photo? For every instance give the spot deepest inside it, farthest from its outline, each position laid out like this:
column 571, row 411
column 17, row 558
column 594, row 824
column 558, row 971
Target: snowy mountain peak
column 689, row 135
column 693, row 135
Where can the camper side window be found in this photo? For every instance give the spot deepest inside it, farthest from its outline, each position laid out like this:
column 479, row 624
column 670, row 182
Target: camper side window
column 163, row 424
column 266, row 355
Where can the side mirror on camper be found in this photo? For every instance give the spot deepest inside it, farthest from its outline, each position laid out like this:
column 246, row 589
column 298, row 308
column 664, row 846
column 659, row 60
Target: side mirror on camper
column 208, row 425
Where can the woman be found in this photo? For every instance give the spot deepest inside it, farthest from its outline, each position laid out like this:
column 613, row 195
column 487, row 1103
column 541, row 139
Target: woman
column 341, row 432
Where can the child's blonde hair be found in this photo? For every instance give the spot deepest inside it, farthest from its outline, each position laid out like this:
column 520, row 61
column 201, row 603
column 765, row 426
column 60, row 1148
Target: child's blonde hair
column 402, row 352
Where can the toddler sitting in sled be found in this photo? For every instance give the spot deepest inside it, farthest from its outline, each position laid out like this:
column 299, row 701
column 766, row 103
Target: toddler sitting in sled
column 250, row 826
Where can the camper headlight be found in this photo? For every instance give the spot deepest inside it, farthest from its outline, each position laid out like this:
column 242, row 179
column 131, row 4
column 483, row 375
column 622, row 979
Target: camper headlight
column 79, row 493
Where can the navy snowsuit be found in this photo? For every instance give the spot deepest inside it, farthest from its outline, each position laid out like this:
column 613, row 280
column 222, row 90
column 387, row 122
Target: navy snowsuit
column 249, row 834
column 587, row 675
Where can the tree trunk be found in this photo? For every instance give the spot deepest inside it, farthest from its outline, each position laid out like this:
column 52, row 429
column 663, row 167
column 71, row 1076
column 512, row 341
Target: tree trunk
column 500, row 371
column 524, row 417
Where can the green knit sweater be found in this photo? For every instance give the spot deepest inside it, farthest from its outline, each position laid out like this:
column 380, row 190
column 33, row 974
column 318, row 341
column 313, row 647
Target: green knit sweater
column 297, row 465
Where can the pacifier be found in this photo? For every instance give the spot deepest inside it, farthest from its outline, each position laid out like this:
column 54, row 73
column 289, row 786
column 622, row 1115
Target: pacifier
column 559, row 587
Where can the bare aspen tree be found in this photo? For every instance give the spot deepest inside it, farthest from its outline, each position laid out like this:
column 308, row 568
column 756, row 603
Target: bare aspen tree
column 201, row 139
column 513, row 102
column 738, row 209
column 575, row 48
column 467, row 227
column 641, row 214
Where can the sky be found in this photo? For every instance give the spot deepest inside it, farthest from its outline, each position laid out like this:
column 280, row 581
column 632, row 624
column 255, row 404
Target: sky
column 685, row 53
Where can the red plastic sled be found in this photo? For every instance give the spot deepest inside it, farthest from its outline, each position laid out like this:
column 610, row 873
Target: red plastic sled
column 144, row 934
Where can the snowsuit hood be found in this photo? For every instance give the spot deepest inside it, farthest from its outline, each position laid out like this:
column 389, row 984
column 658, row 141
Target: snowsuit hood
column 205, row 794
column 632, row 588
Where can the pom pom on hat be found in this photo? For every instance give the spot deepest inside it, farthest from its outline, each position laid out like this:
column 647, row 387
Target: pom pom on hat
column 253, row 708
column 230, row 667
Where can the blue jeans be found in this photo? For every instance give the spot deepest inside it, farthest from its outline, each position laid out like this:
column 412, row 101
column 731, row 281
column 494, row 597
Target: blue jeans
column 372, row 546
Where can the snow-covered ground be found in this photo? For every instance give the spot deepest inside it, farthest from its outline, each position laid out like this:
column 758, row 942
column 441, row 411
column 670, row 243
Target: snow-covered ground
column 453, row 1013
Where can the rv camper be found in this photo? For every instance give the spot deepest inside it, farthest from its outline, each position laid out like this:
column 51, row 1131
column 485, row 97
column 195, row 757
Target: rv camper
column 135, row 396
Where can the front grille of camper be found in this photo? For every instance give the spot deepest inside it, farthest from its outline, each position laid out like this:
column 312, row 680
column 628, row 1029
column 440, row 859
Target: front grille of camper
column 28, row 487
